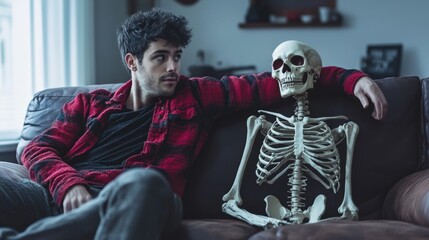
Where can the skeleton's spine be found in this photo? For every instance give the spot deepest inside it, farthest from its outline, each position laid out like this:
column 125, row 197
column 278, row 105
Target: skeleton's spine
column 301, row 109
column 297, row 183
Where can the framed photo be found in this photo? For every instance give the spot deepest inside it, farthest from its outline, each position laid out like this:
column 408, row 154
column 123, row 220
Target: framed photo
column 383, row 60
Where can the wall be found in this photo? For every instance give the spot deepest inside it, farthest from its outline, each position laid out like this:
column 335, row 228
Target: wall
column 108, row 17
column 215, row 28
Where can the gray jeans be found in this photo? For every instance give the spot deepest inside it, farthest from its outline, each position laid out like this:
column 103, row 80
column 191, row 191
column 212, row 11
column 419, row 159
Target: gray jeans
column 139, row 204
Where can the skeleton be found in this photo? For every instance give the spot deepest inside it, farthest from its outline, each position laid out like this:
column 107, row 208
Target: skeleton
column 298, row 144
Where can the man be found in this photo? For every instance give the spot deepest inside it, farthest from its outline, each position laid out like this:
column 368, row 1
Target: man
column 114, row 163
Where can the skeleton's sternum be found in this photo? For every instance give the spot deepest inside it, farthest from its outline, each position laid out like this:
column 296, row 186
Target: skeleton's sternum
column 299, row 139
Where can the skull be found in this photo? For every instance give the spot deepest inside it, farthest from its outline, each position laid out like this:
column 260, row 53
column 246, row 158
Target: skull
column 295, row 66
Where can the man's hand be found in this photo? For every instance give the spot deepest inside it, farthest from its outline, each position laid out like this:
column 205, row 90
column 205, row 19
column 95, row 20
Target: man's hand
column 367, row 90
column 75, row 197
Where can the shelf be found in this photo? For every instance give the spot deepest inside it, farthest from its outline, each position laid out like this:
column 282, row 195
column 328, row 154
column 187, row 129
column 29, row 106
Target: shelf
column 289, row 25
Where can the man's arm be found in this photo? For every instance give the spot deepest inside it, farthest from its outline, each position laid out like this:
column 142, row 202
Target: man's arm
column 43, row 156
column 356, row 83
column 367, row 90
column 242, row 91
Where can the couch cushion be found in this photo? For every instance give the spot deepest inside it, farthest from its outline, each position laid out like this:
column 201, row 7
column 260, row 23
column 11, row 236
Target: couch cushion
column 209, row 229
column 13, row 171
column 408, row 200
column 346, row 230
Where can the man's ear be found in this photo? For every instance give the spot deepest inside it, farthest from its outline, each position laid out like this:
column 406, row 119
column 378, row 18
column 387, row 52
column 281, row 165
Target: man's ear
column 131, row 61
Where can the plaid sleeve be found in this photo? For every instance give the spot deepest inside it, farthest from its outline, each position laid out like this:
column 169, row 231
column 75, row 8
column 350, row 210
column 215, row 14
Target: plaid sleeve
column 44, row 155
column 334, row 77
column 234, row 93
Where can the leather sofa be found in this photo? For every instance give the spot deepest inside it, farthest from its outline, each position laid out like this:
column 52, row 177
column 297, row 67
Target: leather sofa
column 390, row 180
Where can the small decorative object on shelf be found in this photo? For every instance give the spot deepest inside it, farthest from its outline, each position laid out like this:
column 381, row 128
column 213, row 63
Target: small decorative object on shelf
column 324, row 14
column 306, row 18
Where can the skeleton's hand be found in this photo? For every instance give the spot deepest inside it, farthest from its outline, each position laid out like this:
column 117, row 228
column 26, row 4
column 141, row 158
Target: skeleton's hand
column 232, row 209
column 365, row 89
column 233, row 194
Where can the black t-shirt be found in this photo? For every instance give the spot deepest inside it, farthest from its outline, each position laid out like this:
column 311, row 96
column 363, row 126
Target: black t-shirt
column 122, row 137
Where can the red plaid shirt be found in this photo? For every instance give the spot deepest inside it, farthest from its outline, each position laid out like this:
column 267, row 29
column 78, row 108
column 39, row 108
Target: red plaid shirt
column 180, row 125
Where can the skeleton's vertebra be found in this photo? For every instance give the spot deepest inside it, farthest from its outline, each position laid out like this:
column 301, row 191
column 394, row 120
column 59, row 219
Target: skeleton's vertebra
column 300, row 145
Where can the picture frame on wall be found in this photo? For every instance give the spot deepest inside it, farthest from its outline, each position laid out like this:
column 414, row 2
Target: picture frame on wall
column 382, row 61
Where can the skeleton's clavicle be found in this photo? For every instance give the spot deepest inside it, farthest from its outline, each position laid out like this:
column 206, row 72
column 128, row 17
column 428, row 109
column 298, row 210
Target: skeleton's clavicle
column 278, row 115
column 293, row 119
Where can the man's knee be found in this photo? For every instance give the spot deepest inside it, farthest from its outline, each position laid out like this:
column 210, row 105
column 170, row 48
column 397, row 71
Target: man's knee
column 144, row 181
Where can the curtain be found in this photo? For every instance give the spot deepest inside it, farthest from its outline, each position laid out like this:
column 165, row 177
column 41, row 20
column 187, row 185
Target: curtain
column 50, row 44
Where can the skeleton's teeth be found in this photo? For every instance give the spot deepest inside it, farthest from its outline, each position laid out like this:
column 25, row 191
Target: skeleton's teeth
column 291, row 82
column 289, row 79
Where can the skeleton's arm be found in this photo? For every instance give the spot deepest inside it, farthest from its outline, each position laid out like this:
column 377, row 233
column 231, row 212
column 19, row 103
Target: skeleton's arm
column 350, row 130
column 254, row 124
column 338, row 134
column 232, row 209
column 233, row 199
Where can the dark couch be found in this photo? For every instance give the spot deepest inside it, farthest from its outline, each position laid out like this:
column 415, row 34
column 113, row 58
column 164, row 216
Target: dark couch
column 389, row 176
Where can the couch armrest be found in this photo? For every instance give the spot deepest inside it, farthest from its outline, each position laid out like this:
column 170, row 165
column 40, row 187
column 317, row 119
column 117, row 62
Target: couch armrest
column 13, row 171
column 408, row 200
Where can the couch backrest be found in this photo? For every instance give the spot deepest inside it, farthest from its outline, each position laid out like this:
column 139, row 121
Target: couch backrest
column 44, row 108
column 385, row 150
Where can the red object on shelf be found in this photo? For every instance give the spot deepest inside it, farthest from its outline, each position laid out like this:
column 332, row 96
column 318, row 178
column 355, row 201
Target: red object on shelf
column 293, row 16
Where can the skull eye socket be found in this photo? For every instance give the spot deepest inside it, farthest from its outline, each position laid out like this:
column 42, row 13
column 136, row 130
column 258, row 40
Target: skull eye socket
column 278, row 63
column 297, row 60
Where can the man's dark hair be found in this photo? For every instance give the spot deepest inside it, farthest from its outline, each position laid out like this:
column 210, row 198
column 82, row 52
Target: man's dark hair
column 142, row 28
